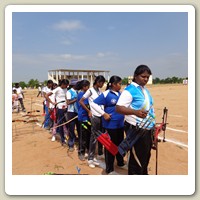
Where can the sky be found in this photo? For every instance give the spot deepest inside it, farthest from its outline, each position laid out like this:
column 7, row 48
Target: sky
column 113, row 41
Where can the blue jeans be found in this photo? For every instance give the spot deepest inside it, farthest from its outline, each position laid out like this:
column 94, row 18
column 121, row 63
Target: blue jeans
column 61, row 119
column 47, row 117
column 71, row 125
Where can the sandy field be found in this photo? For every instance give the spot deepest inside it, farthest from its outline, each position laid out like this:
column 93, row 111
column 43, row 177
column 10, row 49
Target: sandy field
column 33, row 152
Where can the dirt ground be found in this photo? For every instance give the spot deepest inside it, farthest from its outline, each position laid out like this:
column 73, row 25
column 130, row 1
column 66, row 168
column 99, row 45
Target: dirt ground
column 33, row 152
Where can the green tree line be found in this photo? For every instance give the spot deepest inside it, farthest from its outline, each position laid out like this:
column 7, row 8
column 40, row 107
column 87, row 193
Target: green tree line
column 156, row 80
column 34, row 83
column 168, row 80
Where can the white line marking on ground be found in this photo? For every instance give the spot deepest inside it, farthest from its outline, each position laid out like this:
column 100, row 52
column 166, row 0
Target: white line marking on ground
column 175, row 115
column 177, row 130
column 38, row 104
column 175, row 142
column 38, row 124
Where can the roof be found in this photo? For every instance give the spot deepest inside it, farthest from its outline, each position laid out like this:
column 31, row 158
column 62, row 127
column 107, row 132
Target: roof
column 77, row 70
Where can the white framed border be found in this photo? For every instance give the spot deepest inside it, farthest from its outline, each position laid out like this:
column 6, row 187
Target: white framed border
column 100, row 185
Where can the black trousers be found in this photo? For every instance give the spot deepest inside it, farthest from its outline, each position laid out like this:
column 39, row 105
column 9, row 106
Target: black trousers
column 96, row 126
column 61, row 120
column 116, row 136
column 140, row 153
column 84, row 138
column 22, row 103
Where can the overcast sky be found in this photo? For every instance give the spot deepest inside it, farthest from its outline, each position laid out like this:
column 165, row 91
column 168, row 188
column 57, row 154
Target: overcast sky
column 118, row 42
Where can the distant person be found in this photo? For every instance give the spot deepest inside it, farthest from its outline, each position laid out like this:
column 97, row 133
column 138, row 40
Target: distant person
column 15, row 102
column 136, row 103
column 52, row 112
column 45, row 91
column 39, row 91
column 21, row 96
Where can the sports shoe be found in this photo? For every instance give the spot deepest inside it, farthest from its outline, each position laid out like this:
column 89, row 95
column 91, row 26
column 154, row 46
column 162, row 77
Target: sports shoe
column 47, row 128
column 53, row 139
column 86, row 155
column 71, row 149
column 100, row 157
column 123, row 167
column 113, row 173
column 64, row 144
column 91, row 164
column 95, row 162
column 81, row 157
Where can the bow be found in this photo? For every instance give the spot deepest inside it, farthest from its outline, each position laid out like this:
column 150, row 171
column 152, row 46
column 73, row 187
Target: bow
column 158, row 128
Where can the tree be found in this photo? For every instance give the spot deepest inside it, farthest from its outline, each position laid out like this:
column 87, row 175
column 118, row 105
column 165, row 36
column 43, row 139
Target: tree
column 45, row 82
column 124, row 81
column 22, row 84
column 33, row 83
column 156, row 80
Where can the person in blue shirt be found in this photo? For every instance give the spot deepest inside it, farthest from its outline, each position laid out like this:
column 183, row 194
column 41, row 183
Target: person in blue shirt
column 72, row 112
column 136, row 103
column 114, row 124
column 83, row 118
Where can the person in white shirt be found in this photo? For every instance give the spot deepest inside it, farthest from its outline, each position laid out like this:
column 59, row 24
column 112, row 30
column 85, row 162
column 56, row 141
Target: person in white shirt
column 61, row 104
column 52, row 120
column 45, row 91
column 20, row 96
column 15, row 102
column 96, row 123
column 39, row 91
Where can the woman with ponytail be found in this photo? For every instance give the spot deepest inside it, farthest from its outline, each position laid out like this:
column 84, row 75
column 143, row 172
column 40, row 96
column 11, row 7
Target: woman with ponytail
column 84, row 120
column 115, row 123
column 95, row 117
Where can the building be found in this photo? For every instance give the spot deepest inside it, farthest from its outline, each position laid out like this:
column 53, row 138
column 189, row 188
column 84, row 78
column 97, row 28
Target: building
column 59, row 74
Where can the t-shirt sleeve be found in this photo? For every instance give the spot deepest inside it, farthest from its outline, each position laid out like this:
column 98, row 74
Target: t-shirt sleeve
column 44, row 89
column 125, row 99
column 54, row 91
column 69, row 96
column 87, row 94
column 80, row 94
column 100, row 100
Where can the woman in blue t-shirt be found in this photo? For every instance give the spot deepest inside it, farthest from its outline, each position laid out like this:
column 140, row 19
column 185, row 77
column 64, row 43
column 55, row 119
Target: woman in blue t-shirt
column 136, row 103
column 83, row 118
column 115, row 123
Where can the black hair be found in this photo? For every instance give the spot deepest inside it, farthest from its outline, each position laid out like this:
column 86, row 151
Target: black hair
column 113, row 79
column 64, row 82
column 99, row 79
column 140, row 70
column 54, row 85
column 81, row 84
column 49, row 82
